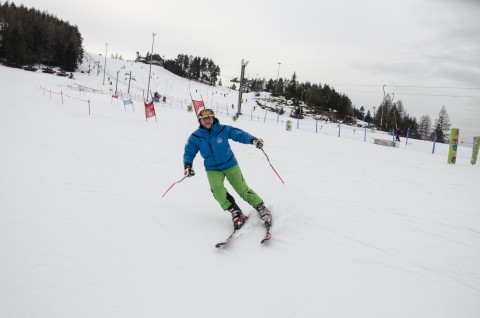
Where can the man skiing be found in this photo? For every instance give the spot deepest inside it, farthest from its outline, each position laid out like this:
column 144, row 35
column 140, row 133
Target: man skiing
column 211, row 139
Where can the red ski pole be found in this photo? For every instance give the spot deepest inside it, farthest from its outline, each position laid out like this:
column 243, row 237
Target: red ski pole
column 173, row 185
column 272, row 166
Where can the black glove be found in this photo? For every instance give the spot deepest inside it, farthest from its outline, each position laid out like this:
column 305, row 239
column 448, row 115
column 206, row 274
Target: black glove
column 257, row 142
column 188, row 172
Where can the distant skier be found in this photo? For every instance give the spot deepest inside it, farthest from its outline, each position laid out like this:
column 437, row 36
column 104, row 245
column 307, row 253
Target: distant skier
column 397, row 135
column 211, row 139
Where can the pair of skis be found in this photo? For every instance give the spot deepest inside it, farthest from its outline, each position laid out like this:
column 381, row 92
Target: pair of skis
column 266, row 237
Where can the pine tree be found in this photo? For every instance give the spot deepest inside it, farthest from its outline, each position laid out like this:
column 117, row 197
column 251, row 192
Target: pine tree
column 411, row 122
column 279, row 87
column 195, row 69
column 30, row 36
column 442, row 126
column 368, row 117
column 400, row 115
column 291, row 90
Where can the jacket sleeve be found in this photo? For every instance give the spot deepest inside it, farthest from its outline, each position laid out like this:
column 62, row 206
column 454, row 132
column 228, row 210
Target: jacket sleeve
column 238, row 135
column 190, row 151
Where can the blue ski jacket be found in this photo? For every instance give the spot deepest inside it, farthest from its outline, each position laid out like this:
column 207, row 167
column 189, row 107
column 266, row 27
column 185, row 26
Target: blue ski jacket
column 214, row 147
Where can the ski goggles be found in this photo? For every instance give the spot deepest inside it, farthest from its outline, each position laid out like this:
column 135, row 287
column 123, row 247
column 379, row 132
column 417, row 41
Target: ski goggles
column 205, row 114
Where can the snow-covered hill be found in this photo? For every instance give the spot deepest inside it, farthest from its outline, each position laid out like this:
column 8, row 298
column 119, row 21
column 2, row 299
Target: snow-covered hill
column 360, row 230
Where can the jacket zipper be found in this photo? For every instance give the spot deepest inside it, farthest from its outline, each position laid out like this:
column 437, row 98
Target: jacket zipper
column 210, row 146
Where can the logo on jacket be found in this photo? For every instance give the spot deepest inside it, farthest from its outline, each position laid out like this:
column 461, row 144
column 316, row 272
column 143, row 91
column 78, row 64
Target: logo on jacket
column 219, row 140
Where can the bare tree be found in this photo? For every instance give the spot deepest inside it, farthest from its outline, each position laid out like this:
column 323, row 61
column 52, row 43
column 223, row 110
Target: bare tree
column 425, row 127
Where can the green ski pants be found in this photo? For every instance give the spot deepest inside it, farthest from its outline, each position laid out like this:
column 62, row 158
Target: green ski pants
column 235, row 178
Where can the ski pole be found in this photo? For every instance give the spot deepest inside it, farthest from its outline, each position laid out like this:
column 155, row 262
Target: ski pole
column 272, row 166
column 173, row 185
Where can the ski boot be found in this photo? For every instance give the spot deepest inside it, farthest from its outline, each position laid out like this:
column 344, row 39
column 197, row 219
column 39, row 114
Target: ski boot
column 265, row 215
column 238, row 217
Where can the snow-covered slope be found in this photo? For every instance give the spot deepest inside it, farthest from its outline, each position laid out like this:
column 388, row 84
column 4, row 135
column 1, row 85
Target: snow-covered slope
column 360, row 230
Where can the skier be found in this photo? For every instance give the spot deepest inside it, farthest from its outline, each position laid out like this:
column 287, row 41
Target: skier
column 211, row 139
column 397, row 135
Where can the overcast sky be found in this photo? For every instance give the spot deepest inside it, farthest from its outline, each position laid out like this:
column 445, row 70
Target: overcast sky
column 432, row 46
